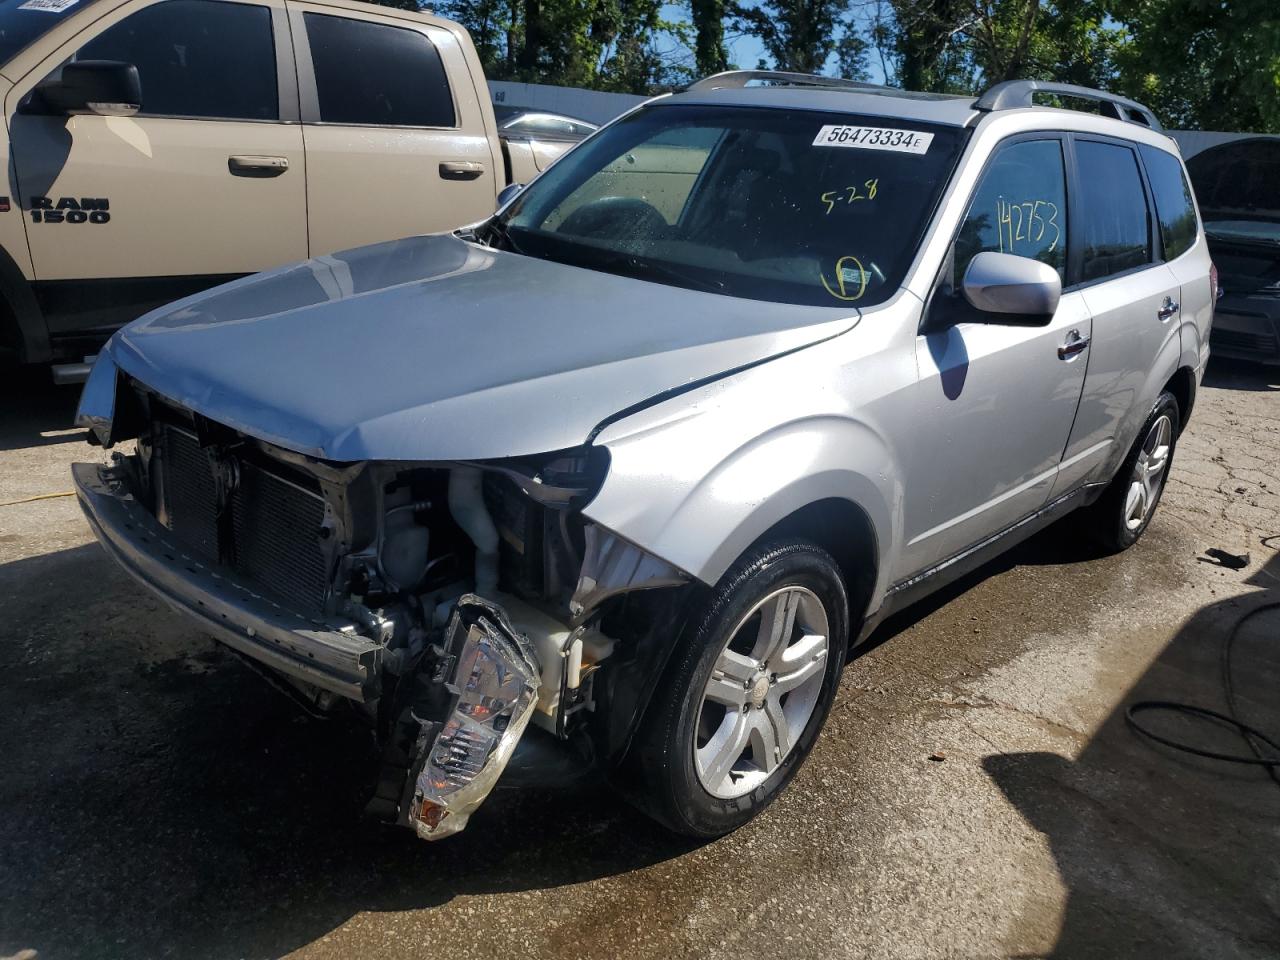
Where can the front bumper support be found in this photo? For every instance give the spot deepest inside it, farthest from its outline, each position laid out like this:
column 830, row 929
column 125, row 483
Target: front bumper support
column 329, row 654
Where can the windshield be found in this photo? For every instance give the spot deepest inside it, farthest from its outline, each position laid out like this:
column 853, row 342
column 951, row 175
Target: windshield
column 24, row 21
column 794, row 207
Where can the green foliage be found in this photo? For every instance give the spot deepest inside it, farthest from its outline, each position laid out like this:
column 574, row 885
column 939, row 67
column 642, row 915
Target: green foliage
column 1210, row 64
column 1204, row 63
column 799, row 35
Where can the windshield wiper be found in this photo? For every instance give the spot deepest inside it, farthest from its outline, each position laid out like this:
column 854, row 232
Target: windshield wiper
column 650, row 269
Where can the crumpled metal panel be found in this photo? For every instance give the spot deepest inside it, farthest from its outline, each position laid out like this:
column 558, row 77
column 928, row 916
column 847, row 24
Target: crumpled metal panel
column 611, row 565
column 496, row 681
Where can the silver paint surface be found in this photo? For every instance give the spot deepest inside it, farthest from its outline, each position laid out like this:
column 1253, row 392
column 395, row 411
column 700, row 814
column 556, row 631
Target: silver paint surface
column 431, row 348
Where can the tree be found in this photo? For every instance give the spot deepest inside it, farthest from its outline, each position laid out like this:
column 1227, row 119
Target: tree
column 709, row 53
column 1204, row 63
column 798, row 35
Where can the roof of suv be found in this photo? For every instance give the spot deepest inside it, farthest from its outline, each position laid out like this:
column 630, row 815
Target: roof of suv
column 806, row 92
column 931, row 108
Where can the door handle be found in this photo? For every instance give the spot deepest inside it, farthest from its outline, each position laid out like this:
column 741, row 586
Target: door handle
column 247, row 166
column 1074, row 346
column 460, row 170
column 1167, row 309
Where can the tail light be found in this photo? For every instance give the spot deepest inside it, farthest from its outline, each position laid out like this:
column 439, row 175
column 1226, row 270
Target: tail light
column 1214, row 290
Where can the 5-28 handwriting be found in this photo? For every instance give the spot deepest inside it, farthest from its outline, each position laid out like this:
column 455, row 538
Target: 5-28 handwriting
column 850, row 194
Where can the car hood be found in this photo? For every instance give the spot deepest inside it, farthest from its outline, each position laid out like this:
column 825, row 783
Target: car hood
column 433, row 348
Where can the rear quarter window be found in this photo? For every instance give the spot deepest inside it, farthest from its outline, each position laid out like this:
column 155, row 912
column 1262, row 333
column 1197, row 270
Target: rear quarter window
column 1175, row 208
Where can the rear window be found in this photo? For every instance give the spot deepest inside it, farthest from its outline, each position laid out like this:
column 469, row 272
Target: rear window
column 1116, row 228
column 374, row 74
column 1175, row 209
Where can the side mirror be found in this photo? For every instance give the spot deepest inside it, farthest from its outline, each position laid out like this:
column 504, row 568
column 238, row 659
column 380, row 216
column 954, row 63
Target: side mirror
column 1018, row 290
column 107, row 88
column 509, row 193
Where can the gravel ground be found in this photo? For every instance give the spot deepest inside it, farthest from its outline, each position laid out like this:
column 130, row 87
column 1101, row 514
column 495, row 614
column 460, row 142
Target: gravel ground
column 159, row 800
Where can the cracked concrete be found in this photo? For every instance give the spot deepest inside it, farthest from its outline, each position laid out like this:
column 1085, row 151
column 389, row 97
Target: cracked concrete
column 159, row 801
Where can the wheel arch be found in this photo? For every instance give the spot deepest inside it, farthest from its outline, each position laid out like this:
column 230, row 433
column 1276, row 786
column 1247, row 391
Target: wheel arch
column 1183, row 387
column 21, row 319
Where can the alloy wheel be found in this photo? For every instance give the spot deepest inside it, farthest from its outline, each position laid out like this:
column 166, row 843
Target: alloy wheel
column 1148, row 473
column 763, row 689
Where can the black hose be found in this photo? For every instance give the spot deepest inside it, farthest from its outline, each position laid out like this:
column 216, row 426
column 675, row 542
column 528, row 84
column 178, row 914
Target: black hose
column 1256, row 740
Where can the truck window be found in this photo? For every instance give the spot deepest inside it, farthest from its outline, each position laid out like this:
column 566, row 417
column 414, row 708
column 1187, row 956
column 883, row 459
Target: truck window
column 377, row 75
column 197, row 58
column 1175, row 209
column 1019, row 207
column 1117, row 228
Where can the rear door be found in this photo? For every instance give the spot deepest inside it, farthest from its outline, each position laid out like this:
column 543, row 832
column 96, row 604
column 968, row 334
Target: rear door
column 134, row 211
column 996, row 400
column 1134, row 301
column 1182, row 246
column 397, row 144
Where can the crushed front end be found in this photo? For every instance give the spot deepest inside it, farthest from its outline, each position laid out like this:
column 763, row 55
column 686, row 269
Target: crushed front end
column 448, row 605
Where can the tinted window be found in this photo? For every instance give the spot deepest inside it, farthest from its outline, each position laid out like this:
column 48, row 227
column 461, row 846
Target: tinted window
column 369, row 73
column 1175, row 209
column 197, row 58
column 1020, row 207
column 1116, row 228
column 779, row 205
column 1238, row 179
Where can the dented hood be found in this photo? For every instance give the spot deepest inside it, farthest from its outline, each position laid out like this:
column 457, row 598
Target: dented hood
column 432, row 348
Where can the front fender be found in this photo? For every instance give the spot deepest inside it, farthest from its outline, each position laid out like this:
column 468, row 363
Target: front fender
column 698, row 496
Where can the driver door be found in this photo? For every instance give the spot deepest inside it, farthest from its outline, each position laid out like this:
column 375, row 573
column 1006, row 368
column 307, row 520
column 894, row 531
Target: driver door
column 995, row 402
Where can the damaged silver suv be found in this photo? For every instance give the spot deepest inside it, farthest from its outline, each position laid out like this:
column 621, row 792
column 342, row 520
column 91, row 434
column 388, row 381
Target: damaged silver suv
column 622, row 471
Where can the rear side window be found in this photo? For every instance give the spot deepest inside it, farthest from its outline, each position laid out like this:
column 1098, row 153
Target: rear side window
column 1116, row 228
column 1019, row 207
column 1175, row 209
column 377, row 75
column 197, row 58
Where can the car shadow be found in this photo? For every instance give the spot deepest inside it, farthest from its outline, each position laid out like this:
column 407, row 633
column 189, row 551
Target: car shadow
column 1241, row 375
column 34, row 412
column 1152, row 845
column 160, row 800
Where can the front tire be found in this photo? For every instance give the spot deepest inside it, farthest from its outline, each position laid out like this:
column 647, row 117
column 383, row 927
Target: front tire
column 747, row 692
column 1125, row 510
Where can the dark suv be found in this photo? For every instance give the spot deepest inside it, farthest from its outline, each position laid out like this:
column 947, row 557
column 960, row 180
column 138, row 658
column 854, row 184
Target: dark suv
column 1238, row 186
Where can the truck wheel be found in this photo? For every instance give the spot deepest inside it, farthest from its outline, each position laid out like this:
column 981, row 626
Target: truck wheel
column 747, row 692
column 1124, row 511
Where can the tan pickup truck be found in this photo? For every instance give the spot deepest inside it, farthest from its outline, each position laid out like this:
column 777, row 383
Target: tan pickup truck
column 159, row 147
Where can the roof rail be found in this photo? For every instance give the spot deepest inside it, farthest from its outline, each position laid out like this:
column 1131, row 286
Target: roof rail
column 1019, row 93
column 732, row 79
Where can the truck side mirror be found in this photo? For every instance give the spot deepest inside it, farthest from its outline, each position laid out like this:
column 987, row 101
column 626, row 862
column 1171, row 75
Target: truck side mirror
column 1018, row 290
column 107, row 88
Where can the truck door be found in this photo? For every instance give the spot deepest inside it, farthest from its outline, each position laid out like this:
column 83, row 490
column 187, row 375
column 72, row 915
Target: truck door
column 397, row 144
column 204, row 183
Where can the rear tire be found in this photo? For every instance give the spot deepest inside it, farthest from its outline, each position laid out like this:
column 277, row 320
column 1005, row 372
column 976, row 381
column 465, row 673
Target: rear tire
column 1124, row 511
column 746, row 694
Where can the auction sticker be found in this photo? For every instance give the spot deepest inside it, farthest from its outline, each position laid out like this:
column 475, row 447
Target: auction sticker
column 48, row 6
column 873, row 138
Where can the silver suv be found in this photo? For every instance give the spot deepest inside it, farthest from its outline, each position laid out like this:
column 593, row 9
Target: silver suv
column 613, row 479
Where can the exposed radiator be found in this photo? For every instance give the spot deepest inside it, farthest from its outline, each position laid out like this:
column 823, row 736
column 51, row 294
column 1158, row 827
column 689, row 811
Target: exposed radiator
column 273, row 530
